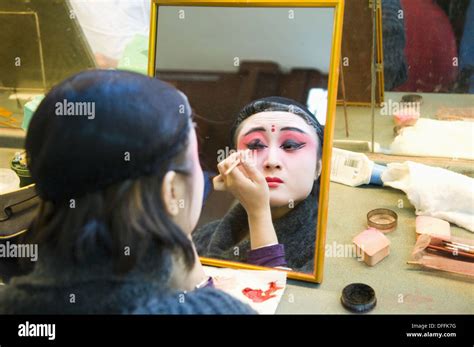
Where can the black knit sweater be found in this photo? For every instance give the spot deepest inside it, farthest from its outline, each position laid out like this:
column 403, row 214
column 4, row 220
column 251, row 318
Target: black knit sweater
column 394, row 39
column 58, row 286
column 228, row 238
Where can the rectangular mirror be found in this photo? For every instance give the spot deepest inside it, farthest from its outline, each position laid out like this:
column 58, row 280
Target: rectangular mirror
column 426, row 115
column 356, row 54
column 42, row 44
column 226, row 55
column 428, row 112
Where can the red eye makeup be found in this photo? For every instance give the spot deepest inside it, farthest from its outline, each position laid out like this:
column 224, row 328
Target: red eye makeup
column 293, row 140
column 253, row 141
column 290, row 139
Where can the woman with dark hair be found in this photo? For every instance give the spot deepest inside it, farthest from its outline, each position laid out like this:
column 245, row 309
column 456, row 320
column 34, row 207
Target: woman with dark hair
column 274, row 223
column 114, row 158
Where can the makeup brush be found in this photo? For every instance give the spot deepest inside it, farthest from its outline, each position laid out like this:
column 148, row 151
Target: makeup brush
column 451, row 252
column 459, row 246
column 218, row 182
column 232, row 167
column 238, row 161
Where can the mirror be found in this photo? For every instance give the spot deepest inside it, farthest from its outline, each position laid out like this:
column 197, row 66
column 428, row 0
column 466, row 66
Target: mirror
column 260, row 76
column 439, row 62
column 356, row 54
column 426, row 114
column 42, row 45
column 434, row 125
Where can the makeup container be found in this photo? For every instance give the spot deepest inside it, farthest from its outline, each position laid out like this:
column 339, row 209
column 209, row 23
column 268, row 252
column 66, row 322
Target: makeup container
column 358, row 298
column 372, row 246
column 433, row 226
column 382, row 219
column 409, row 110
column 19, row 166
column 412, row 98
column 407, row 116
column 354, row 169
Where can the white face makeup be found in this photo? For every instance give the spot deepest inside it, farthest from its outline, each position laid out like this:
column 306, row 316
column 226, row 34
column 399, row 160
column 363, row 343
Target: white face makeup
column 286, row 148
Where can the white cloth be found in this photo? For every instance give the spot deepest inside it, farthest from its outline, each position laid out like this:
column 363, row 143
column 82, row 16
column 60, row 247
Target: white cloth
column 436, row 138
column 109, row 25
column 434, row 191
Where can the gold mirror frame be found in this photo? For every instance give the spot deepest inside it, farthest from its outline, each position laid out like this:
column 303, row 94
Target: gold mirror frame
column 333, row 78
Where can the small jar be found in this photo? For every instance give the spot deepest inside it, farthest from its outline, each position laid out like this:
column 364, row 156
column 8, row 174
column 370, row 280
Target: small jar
column 18, row 164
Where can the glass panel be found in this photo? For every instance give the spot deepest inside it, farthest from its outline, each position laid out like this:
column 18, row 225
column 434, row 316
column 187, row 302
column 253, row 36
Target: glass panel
column 224, row 59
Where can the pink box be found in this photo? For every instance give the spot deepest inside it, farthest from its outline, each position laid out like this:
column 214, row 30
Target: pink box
column 372, row 245
column 406, row 116
column 433, row 226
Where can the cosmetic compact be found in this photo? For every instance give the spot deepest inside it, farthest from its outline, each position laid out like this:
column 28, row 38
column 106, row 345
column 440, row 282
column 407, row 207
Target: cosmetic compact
column 412, row 98
column 372, row 246
column 382, row 219
column 433, row 226
column 358, row 298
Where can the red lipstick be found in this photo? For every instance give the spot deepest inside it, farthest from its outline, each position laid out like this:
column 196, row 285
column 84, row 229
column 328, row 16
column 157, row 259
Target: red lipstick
column 273, row 182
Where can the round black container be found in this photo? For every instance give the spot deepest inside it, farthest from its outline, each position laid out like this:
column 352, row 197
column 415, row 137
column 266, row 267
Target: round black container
column 358, row 298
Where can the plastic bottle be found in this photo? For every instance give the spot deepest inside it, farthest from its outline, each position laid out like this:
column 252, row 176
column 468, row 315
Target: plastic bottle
column 354, row 169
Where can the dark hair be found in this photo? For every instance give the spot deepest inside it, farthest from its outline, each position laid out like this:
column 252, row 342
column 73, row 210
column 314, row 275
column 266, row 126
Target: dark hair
column 278, row 103
column 118, row 205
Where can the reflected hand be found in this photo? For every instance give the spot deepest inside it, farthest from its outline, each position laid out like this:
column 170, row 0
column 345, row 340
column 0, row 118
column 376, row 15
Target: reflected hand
column 239, row 175
column 244, row 181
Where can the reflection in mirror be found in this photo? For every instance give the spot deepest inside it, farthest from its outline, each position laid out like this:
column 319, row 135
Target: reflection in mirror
column 441, row 60
column 427, row 113
column 257, row 81
column 437, row 66
column 44, row 42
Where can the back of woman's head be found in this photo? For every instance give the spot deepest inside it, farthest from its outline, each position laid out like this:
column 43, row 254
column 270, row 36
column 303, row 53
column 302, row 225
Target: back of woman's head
column 98, row 147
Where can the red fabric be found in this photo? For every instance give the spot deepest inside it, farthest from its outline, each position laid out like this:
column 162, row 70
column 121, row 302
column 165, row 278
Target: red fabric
column 430, row 47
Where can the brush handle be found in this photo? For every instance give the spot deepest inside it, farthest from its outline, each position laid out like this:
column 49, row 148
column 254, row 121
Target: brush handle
column 232, row 167
column 218, row 181
column 450, row 252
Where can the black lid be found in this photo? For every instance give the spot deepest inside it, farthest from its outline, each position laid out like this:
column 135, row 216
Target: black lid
column 358, row 297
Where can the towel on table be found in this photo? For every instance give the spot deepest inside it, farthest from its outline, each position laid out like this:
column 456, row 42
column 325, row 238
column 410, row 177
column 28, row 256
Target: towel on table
column 436, row 138
column 434, row 191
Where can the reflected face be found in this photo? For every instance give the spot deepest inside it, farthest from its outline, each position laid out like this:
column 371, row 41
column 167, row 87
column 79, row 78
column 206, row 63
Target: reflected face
column 286, row 149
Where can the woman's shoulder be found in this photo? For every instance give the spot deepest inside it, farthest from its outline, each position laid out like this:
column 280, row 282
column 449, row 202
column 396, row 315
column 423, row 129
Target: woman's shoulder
column 200, row 301
column 30, row 299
